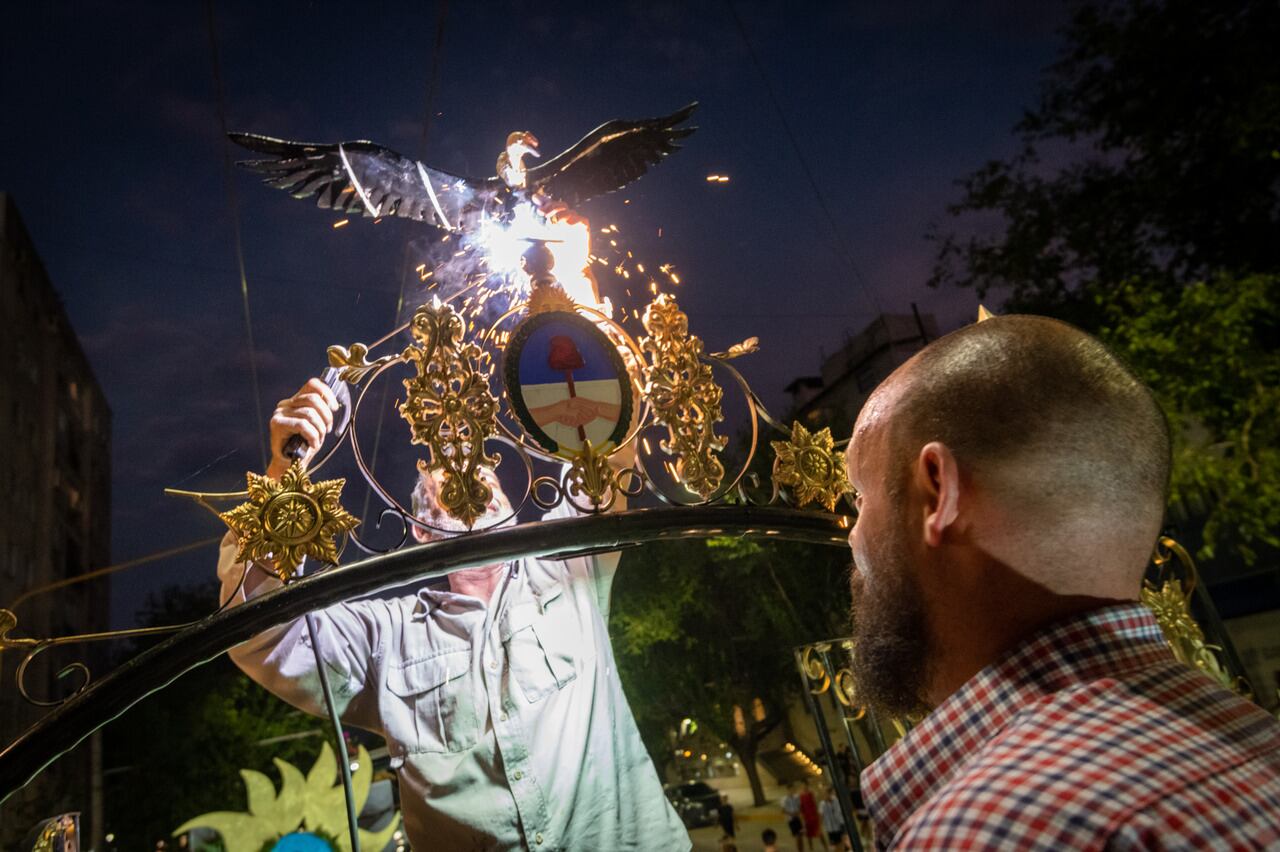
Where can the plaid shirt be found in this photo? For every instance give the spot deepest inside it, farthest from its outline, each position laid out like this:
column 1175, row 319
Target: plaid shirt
column 1089, row 735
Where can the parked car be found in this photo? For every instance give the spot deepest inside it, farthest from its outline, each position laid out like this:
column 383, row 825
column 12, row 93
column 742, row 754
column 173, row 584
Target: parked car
column 697, row 803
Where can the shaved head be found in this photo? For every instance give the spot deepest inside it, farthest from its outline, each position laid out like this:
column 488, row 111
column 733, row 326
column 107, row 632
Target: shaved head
column 1044, row 418
column 1010, row 473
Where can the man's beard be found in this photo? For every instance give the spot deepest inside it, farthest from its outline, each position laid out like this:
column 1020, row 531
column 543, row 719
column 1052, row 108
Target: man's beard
column 891, row 637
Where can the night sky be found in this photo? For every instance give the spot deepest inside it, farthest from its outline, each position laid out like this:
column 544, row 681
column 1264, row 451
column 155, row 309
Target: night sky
column 112, row 149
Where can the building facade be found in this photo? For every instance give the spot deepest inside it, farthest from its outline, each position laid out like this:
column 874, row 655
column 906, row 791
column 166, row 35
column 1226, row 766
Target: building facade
column 848, row 376
column 55, row 511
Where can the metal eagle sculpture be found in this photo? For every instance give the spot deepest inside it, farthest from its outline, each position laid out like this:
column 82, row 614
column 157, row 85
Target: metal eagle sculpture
column 350, row 177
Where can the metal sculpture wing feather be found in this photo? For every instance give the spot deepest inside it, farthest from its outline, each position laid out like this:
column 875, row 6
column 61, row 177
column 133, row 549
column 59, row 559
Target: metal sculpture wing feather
column 609, row 157
column 364, row 177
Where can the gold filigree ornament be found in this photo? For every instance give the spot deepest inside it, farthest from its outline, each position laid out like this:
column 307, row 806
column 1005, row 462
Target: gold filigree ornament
column 450, row 409
column 355, row 362
column 289, row 519
column 591, row 476
column 811, row 467
column 684, row 396
column 747, row 347
column 1170, row 602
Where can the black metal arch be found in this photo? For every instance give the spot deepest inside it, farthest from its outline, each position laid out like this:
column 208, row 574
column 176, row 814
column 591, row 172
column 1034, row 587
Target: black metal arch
column 160, row 665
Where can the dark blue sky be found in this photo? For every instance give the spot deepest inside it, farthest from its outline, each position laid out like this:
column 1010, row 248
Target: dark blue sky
column 110, row 145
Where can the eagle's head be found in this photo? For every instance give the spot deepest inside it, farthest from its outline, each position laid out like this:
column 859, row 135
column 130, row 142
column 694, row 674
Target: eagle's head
column 511, row 160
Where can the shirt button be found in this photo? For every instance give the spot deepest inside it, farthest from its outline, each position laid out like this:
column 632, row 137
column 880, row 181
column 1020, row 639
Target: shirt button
column 537, row 838
column 503, row 717
column 518, row 776
column 493, row 664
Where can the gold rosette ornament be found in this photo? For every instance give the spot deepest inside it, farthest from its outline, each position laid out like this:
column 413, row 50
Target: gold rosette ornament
column 289, row 519
column 810, row 465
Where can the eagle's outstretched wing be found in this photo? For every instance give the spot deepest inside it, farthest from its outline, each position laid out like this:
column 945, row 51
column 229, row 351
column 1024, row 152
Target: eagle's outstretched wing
column 364, row 177
column 609, row 157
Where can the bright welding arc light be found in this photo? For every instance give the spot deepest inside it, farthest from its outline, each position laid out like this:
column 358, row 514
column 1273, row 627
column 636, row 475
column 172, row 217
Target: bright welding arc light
column 570, row 245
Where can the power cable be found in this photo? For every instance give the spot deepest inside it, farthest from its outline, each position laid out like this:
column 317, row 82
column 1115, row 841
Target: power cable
column 112, row 569
column 842, row 249
column 344, row 762
column 433, row 83
column 233, row 208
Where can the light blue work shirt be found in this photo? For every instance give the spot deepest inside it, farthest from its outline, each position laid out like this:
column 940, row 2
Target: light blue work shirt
column 506, row 722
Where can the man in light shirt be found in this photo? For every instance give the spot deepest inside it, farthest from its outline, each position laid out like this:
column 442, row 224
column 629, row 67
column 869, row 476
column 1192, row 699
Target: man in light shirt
column 498, row 698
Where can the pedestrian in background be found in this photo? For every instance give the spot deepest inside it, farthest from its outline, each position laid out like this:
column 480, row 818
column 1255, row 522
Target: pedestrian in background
column 791, row 807
column 809, row 815
column 725, row 814
column 832, row 820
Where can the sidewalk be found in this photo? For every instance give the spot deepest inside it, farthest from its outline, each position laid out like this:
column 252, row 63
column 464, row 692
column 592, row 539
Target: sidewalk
column 751, row 822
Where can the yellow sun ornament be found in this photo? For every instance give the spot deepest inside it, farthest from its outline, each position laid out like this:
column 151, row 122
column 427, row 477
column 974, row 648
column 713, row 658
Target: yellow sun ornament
column 288, row 519
column 310, row 808
column 811, row 467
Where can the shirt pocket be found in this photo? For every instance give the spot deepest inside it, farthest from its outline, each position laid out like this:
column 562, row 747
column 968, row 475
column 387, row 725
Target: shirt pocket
column 541, row 640
column 432, row 709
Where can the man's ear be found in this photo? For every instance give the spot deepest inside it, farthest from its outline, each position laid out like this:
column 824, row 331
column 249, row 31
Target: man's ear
column 937, row 476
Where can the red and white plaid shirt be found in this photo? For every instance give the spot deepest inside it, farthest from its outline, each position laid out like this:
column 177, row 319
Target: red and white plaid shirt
column 1089, row 735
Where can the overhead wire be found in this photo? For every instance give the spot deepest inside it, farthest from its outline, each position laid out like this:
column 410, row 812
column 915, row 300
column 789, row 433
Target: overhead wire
column 838, row 243
column 433, row 83
column 344, row 762
column 233, row 208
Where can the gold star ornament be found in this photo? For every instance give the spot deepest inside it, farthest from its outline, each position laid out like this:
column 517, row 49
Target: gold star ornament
column 811, row 467
column 289, row 519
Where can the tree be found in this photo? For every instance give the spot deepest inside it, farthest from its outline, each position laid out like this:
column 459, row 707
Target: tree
column 179, row 752
column 1209, row 352
column 1151, row 155
column 704, row 629
column 1144, row 205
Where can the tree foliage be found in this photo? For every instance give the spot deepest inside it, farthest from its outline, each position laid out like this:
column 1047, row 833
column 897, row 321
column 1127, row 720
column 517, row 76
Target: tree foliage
column 1209, row 352
column 179, row 752
column 700, row 628
column 1144, row 205
column 1151, row 155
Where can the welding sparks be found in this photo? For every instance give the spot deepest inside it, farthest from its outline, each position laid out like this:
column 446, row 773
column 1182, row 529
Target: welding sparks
column 504, row 243
column 717, row 178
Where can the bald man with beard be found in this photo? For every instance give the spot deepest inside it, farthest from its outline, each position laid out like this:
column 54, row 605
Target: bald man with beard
column 1011, row 480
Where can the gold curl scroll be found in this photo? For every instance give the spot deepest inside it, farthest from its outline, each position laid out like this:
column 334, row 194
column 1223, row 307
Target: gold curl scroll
column 811, row 467
column 1169, row 599
column 355, row 362
column 288, row 519
column 684, row 396
column 812, row 662
column 747, row 347
column 450, row 409
column 815, row 669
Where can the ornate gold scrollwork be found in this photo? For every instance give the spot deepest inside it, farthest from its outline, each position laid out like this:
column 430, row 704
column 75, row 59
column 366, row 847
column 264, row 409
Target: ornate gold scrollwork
column 591, row 476
column 355, row 362
column 1170, row 601
column 737, row 350
column 846, row 695
column 288, row 519
column 810, row 465
column 815, row 669
column 8, row 621
column 450, row 409
column 684, row 396
column 812, row 661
